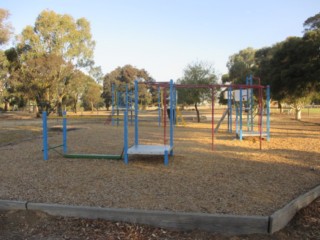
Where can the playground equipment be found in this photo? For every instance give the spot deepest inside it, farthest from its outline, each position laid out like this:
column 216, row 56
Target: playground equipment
column 242, row 98
column 140, row 149
column 47, row 147
column 118, row 104
column 238, row 95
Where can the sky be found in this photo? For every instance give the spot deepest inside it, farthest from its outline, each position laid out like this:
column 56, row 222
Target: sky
column 164, row 36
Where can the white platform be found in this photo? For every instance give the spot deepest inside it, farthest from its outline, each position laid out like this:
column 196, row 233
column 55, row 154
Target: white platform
column 149, row 149
column 253, row 134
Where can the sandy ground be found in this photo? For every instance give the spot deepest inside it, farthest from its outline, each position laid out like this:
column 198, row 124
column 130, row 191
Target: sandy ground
column 235, row 178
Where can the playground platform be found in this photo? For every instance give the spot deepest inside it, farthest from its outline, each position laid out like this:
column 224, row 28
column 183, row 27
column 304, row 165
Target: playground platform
column 252, row 134
column 149, row 149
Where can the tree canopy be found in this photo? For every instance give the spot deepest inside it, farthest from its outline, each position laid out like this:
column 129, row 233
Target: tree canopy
column 126, row 75
column 196, row 73
column 59, row 34
column 5, row 27
column 49, row 55
column 241, row 65
column 312, row 23
column 291, row 67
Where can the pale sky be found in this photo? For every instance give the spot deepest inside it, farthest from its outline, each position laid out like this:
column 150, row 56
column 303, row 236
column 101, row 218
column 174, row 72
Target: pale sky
column 164, row 36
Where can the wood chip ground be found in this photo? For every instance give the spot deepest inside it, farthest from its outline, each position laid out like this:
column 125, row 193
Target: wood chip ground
column 235, row 178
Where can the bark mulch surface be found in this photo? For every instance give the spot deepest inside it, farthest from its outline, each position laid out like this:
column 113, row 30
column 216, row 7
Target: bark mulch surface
column 235, row 178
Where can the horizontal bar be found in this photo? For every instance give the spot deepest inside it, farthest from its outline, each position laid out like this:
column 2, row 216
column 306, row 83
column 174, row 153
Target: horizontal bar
column 93, row 156
column 81, row 117
column 54, row 147
column 234, row 86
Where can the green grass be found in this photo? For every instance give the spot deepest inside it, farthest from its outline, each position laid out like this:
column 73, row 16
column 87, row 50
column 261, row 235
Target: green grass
column 311, row 111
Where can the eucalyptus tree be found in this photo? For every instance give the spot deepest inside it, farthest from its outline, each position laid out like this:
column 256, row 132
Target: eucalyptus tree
column 292, row 67
column 61, row 39
column 91, row 97
column 76, row 88
column 45, row 79
column 5, row 34
column 126, row 75
column 5, row 26
column 312, row 23
column 241, row 65
column 196, row 73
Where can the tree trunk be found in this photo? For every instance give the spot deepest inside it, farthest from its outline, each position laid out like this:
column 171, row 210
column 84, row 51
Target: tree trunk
column 198, row 113
column 91, row 106
column 39, row 108
column 280, row 107
column 298, row 113
column 75, row 107
column 59, row 106
column 36, row 109
column 6, row 106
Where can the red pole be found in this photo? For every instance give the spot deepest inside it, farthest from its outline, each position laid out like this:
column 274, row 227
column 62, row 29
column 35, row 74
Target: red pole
column 164, row 116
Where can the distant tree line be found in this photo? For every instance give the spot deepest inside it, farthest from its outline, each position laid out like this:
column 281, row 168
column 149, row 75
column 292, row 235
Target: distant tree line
column 51, row 67
column 290, row 67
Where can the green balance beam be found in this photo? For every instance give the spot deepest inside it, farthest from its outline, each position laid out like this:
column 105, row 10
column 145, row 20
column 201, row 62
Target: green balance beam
column 93, row 156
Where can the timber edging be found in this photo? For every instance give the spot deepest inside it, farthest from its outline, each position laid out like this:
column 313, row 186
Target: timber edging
column 223, row 224
column 282, row 217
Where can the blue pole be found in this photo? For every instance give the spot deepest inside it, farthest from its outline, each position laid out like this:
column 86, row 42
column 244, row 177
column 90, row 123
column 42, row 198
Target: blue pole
column 268, row 113
column 118, row 101
column 240, row 131
column 130, row 100
column 237, row 120
column 64, row 140
column 126, row 98
column 174, row 106
column 230, row 109
column 45, row 135
column 171, row 116
column 159, row 106
column 166, row 158
column 136, row 125
column 112, row 106
column 125, row 137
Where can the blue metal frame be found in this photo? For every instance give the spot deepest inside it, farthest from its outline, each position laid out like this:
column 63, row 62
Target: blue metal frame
column 159, row 106
column 125, row 137
column 118, row 101
column 230, row 109
column 45, row 135
column 112, row 104
column 237, row 120
column 171, row 115
column 136, row 123
column 174, row 105
column 64, row 138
